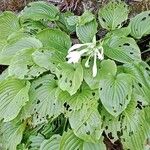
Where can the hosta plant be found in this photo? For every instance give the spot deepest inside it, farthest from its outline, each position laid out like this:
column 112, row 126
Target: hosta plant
column 65, row 88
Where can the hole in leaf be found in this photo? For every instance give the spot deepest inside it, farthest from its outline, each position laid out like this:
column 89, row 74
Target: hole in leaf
column 126, row 44
column 106, row 127
column 88, row 132
column 38, row 86
column 66, row 59
column 131, row 53
column 119, row 133
column 101, row 89
column 70, row 83
column 85, row 123
column 103, row 19
column 144, row 18
column 147, row 69
column 93, row 93
column 60, row 76
column 38, row 101
column 140, row 85
column 120, row 104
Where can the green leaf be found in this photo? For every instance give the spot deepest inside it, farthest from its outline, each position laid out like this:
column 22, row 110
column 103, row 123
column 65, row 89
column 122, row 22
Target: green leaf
column 86, row 32
column 137, row 129
column 113, row 14
column 9, row 23
column 86, row 122
column 12, row 48
column 122, row 49
column 140, row 25
column 94, row 146
column 115, row 93
column 12, row 134
column 67, row 22
column 13, row 96
column 130, row 127
column 55, row 39
column 70, row 77
column 139, row 71
column 40, row 11
column 103, row 70
column 23, row 67
column 51, row 144
column 76, row 101
column 36, row 141
column 43, row 95
column 70, row 142
column 86, row 17
column 48, row 59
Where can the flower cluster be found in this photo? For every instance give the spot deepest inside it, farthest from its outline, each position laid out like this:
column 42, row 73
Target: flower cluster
column 93, row 49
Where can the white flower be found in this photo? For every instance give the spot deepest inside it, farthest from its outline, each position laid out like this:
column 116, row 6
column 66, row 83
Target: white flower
column 93, row 49
column 94, row 66
column 74, row 56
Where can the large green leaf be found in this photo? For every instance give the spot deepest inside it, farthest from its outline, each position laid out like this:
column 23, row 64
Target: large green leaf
column 55, row 39
column 86, row 122
column 141, row 74
column 43, row 95
column 113, row 14
column 130, row 127
column 70, row 142
column 136, row 130
column 36, row 141
column 122, row 49
column 48, row 59
column 13, row 96
column 115, row 92
column 9, row 23
column 103, row 70
column 12, row 134
column 40, row 11
column 70, row 77
column 87, row 31
column 51, row 144
column 140, row 25
column 75, row 102
column 94, row 146
column 23, row 67
column 12, row 48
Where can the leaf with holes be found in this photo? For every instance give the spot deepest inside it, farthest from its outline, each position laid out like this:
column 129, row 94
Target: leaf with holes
column 70, row 77
column 122, row 49
column 43, row 98
column 40, row 11
column 113, row 14
column 115, row 92
column 55, row 39
column 48, row 59
column 70, row 142
column 13, row 96
column 75, row 102
column 12, row 133
column 140, row 71
column 135, row 128
column 53, row 143
column 23, row 67
column 104, row 69
column 12, row 48
column 140, row 25
column 86, row 122
column 9, row 23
